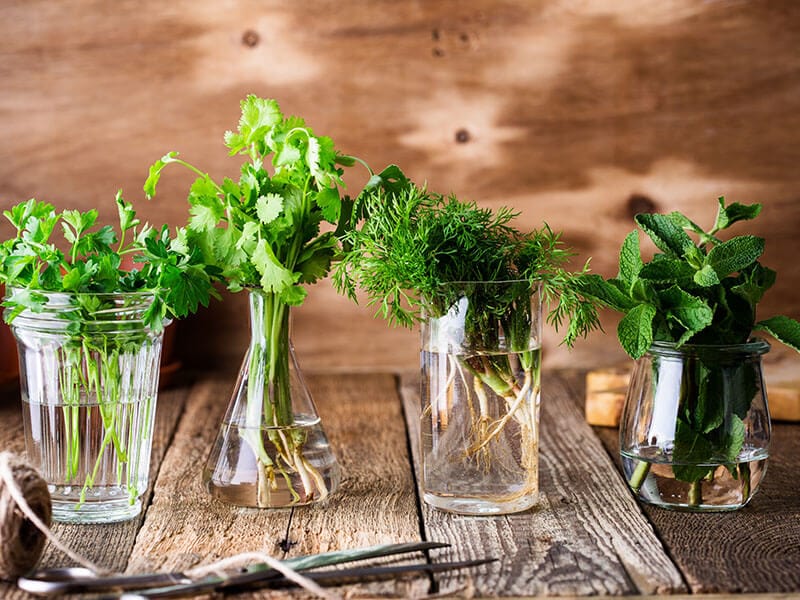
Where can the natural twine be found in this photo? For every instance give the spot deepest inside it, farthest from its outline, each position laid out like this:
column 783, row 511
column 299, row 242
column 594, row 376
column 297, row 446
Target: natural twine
column 21, row 539
column 25, row 514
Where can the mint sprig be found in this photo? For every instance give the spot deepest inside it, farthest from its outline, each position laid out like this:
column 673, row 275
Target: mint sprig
column 702, row 290
column 699, row 292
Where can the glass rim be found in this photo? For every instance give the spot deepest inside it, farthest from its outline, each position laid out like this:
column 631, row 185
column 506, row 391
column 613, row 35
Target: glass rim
column 754, row 345
column 62, row 294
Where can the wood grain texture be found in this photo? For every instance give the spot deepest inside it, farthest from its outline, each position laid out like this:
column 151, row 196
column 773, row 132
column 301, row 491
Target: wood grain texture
column 375, row 504
column 753, row 550
column 574, row 112
column 579, row 539
column 107, row 545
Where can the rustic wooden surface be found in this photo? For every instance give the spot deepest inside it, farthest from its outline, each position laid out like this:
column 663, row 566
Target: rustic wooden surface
column 712, row 549
column 576, row 112
column 587, row 536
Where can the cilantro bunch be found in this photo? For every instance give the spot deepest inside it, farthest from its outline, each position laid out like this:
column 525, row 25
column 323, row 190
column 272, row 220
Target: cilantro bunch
column 265, row 233
column 91, row 264
column 697, row 292
column 264, row 230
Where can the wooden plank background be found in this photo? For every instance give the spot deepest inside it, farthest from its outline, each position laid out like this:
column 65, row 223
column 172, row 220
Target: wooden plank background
column 576, row 112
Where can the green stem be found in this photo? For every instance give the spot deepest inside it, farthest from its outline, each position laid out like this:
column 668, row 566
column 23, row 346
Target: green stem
column 639, row 475
column 744, row 475
column 695, row 496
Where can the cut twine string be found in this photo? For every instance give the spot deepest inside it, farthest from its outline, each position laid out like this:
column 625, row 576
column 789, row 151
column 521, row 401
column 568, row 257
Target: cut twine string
column 24, row 495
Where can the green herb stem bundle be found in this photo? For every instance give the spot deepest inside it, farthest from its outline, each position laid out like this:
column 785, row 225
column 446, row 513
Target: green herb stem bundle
column 264, row 234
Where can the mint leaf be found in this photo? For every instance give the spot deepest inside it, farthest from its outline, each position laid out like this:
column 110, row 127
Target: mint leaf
column 754, row 283
column 693, row 313
column 783, row 329
column 734, row 255
column 630, row 259
column 666, row 235
column 635, row 330
column 667, row 270
column 691, row 450
column 594, row 286
column 728, row 215
column 706, row 277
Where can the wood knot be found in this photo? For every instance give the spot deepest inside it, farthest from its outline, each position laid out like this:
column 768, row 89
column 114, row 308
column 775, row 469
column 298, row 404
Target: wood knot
column 250, row 38
column 639, row 203
column 462, row 136
column 438, row 52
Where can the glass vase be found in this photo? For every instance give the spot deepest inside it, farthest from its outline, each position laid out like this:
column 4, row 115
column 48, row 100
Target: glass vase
column 89, row 368
column 695, row 428
column 480, row 394
column 271, row 450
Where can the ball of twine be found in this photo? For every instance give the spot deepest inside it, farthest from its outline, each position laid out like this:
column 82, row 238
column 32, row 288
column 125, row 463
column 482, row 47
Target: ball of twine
column 21, row 541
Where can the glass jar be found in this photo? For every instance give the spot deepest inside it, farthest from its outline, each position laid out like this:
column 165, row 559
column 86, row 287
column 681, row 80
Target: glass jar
column 695, row 429
column 271, row 450
column 89, row 367
column 480, row 394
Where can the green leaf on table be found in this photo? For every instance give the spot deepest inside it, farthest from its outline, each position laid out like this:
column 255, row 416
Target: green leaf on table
column 735, row 254
column 783, row 329
column 635, row 330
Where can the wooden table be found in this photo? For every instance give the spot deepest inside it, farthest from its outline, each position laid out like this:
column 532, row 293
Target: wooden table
column 587, row 536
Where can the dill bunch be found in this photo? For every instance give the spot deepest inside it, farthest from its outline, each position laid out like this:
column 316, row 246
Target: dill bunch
column 411, row 242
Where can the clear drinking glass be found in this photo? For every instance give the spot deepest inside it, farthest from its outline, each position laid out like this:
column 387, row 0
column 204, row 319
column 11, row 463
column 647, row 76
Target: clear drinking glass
column 89, row 368
column 695, row 428
column 481, row 368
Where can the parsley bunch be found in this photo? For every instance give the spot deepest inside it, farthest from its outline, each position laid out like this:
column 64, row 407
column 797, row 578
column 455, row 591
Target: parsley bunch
column 32, row 263
column 702, row 292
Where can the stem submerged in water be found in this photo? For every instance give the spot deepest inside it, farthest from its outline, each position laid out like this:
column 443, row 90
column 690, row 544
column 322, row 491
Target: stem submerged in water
column 270, row 429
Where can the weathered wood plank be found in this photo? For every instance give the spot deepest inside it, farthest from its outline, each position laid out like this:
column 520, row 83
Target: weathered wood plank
column 585, row 537
column 375, row 504
column 755, row 549
column 184, row 526
column 107, row 545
